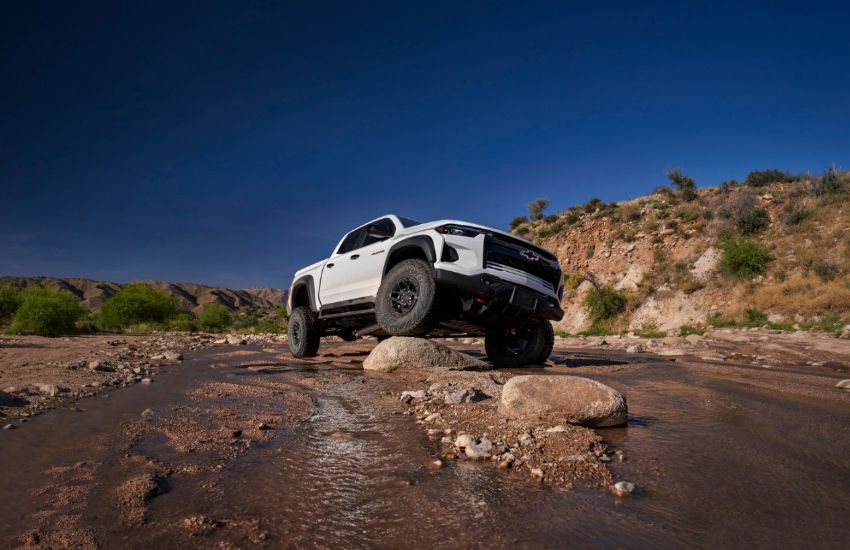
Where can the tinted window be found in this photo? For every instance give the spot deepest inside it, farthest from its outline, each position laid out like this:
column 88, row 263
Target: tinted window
column 351, row 241
column 379, row 231
column 407, row 222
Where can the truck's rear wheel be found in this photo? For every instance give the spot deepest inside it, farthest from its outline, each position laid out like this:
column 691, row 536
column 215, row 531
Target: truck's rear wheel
column 304, row 332
column 516, row 347
column 406, row 304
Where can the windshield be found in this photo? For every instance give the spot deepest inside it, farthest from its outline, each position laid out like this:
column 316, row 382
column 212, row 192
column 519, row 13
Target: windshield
column 407, row 222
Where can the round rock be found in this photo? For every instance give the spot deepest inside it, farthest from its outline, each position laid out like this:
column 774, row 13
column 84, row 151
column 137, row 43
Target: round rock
column 405, row 351
column 572, row 399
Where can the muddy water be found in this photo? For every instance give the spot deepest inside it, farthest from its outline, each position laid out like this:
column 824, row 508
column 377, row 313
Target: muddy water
column 718, row 464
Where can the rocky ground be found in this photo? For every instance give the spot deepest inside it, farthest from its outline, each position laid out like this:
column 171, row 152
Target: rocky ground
column 235, row 444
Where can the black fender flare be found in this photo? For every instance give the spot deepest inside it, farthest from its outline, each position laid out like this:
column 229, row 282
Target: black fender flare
column 306, row 281
column 421, row 242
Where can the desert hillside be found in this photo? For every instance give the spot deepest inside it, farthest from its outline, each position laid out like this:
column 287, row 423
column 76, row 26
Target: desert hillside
column 773, row 250
column 190, row 296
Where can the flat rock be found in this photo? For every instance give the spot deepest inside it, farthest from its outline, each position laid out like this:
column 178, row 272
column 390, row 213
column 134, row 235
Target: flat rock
column 572, row 399
column 404, row 351
column 844, row 385
column 7, row 399
column 172, row 356
column 236, row 341
column 637, row 348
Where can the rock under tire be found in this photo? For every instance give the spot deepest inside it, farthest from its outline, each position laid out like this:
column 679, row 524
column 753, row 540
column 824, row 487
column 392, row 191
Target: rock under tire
column 407, row 301
column 304, row 332
column 530, row 346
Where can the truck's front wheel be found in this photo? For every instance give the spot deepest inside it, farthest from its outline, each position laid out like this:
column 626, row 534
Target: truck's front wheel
column 406, row 304
column 516, row 347
column 304, row 332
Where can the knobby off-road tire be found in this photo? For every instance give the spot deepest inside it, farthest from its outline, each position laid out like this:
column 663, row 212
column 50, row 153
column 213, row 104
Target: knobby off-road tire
column 518, row 347
column 304, row 332
column 407, row 301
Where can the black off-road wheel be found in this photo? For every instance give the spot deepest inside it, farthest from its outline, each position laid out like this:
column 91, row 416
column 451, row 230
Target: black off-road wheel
column 304, row 332
column 407, row 301
column 517, row 347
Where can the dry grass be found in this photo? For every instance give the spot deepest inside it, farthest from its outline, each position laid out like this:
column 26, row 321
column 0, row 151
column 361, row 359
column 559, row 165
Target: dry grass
column 803, row 295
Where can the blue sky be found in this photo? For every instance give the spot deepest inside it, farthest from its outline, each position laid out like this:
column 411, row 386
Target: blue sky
column 231, row 143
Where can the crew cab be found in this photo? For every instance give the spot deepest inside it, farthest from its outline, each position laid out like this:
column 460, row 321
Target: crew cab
column 394, row 276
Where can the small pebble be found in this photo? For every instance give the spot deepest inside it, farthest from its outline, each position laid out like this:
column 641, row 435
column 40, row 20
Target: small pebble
column 8, row 427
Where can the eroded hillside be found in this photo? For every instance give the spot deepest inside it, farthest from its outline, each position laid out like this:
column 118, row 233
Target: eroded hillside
column 763, row 252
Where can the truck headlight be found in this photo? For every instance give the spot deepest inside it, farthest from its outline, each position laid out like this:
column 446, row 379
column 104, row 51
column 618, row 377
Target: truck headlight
column 458, row 230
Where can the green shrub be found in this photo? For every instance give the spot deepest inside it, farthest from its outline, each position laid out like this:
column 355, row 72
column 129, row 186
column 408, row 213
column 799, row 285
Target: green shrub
column 215, row 317
column 650, row 331
column 592, row 205
column 753, row 222
column 829, row 183
column 826, row 270
column 718, row 320
column 183, row 322
column 687, row 330
column 522, row 230
column 795, row 215
column 47, row 312
column 744, row 258
column 518, row 221
column 754, row 317
column 603, row 303
column 551, row 218
column 572, row 217
column 10, row 301
column 572, row 280
column 760, row 178
column 536, row 208
column 687, row 214
column 137, row 304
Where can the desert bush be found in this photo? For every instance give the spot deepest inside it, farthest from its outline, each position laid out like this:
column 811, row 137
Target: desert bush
column 551, row 218
column 753, row 222
column 592, row 205
column 760, row 178
column 10, row 301
column 215, row 317
column 687, row 214
column 826, row 270
column 47, row 312
column 719, row 320
column 182, row 322
column 603, row 303
column 650, row 331
column 572, row 280
column 522, row 230
column 518, row 221
column 572, row 217
column 137, row 304
column 686, row 185
column 754, row 317
column 536, row 208
column 830, row 182
column 795, row 215
column 687, row 330
column 743, row 258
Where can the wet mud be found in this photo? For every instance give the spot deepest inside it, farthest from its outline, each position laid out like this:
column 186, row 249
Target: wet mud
column 249, row 448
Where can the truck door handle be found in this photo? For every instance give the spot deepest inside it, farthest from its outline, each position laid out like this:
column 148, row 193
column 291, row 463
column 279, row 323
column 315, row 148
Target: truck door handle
column 329, row 265
column 355, row 256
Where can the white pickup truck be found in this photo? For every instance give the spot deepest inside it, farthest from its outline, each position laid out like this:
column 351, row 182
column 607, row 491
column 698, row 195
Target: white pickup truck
column 398, row 277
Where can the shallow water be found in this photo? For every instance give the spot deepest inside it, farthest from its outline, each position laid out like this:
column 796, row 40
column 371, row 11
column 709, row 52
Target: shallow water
column 717, row 463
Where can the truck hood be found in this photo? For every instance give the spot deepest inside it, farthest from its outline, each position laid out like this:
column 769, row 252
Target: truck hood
column 432, row 225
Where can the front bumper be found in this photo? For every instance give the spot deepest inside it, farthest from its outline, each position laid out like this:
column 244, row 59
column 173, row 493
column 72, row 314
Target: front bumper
column 492, row 298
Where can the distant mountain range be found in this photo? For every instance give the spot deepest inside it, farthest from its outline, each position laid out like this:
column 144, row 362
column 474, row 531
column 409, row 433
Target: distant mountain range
column 190, row 296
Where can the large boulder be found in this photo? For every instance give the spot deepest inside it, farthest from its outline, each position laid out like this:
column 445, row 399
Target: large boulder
column 404, row 351
column 571, row 399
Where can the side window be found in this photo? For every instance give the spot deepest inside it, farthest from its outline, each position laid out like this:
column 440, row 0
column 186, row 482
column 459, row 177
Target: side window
column 378, row 231
column 351, row 241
